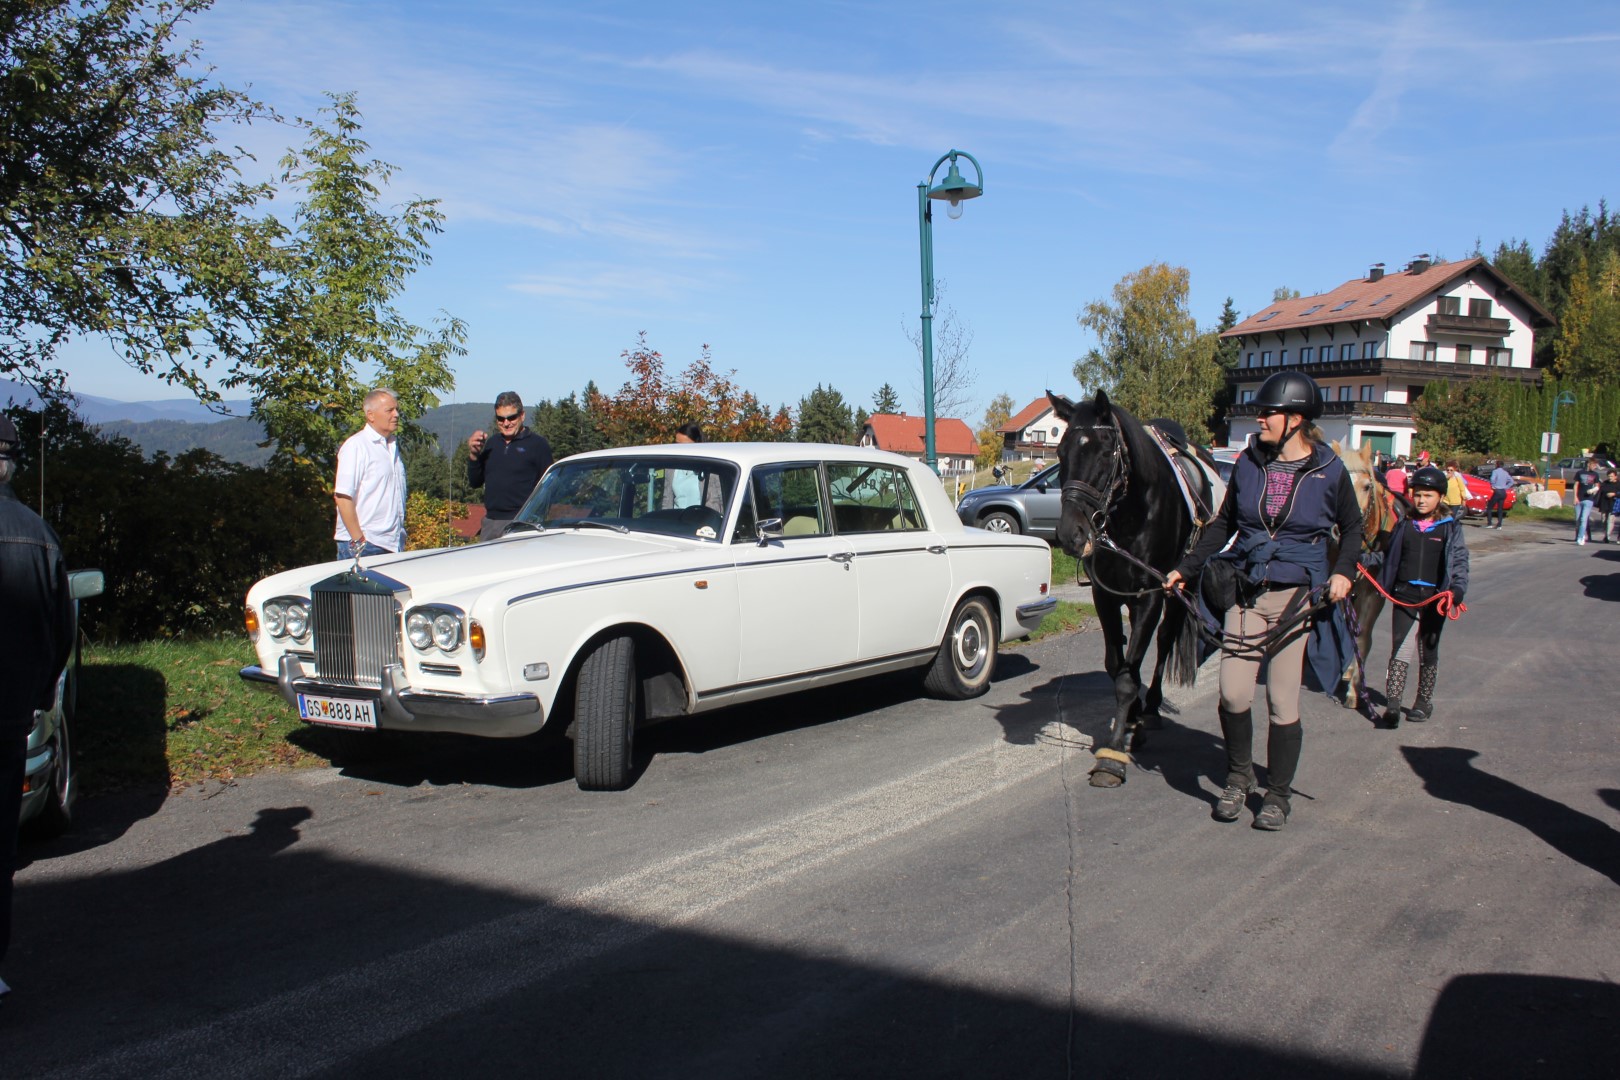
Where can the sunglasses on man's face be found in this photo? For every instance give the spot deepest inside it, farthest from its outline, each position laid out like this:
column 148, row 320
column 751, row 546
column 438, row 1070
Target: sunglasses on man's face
column 510, row 418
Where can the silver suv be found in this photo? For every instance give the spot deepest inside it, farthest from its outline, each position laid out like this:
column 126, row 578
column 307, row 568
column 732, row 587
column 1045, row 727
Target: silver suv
column 1032, row 507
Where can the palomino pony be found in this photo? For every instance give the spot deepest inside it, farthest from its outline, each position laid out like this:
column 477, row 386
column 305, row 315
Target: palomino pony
column 1378, row 516
column 1124, row 517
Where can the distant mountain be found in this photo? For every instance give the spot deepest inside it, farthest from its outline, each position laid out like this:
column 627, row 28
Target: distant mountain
column 100, row 410
column 234, row 440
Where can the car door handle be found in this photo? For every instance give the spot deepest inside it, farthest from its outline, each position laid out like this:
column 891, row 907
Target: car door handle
column 844, row 557
column 936, row 549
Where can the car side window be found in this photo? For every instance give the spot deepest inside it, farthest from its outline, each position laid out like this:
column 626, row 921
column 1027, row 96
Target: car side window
column 790, row 493
column 872, row 498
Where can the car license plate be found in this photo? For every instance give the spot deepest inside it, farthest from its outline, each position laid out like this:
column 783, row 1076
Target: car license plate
column 343, row 712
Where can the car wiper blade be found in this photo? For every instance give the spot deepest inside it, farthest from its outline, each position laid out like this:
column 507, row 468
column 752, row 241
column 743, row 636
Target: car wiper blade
column 520, row 526
column 598, row 525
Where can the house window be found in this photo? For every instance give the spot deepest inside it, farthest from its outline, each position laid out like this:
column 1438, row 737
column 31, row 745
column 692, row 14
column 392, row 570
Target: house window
column 1341, row 307
column 1347, row 351
column 1304, row 354
column 1369, row 350
column 1246, row 395
column 1323, row 392
column 1037, row 436
column 1344, row 392
column 1367, row 392
column 1265, row 358
column 1479, row 309
column 1310, row 310
column 1282, row 357
column 1424, row 350
column 1465, row 354
column 1249, row 361
column 1449, row 305
column 1501, row 357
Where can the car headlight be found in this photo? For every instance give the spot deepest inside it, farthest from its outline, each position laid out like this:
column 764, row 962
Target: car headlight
column 297, row 620
column 419, row 629
column 275, row 618
column 434, row 626
column 287, row 616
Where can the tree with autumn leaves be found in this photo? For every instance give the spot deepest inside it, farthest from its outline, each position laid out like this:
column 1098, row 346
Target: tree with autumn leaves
column 650, row 407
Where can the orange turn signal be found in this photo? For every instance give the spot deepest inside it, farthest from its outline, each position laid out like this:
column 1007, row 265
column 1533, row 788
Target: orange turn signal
column 251, row 617
column 475, row 637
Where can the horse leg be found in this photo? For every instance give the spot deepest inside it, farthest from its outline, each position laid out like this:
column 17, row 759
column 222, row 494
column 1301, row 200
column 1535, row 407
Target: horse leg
column 1369, row 604
column 1112, row 758
column 1171, row 620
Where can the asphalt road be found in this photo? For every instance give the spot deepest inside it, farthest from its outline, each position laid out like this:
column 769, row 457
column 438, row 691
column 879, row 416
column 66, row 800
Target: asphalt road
column 865, row 882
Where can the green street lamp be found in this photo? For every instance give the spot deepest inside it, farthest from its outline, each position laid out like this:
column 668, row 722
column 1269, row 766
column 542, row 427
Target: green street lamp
column 1564, row 398
column 953, row 190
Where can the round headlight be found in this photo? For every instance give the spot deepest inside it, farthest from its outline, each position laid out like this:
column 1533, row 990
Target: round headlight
column 446, row 631
column 419, row 629
column 275, row 619
column 297, row 620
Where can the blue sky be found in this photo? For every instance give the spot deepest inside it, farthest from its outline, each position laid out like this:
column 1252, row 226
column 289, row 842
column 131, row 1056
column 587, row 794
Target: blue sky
column 744, row 174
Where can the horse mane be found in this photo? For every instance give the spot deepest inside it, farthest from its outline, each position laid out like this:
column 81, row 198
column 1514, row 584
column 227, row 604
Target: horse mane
column 1143, row 447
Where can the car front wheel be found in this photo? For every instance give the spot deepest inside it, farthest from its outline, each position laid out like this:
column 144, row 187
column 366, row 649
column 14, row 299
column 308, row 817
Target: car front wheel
column 967, row 656
column 1000, row 522
column 56, row 814
column 605, row 717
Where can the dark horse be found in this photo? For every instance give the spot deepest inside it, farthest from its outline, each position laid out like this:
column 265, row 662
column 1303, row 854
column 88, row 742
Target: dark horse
column 1120, row 494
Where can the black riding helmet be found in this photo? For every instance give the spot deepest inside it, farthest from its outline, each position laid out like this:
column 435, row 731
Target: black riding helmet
column 1290, row 391
column 1429, row 478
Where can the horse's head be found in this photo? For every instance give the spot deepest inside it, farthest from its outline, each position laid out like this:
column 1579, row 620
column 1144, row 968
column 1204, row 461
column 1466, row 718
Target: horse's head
column 1375, row 501
column 1093, row 464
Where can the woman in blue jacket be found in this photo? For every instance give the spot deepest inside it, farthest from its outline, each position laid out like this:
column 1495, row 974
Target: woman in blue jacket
column 1426, row 554
column 1288, row 495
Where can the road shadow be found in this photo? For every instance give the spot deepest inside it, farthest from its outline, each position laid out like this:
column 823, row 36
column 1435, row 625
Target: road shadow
column 1449, row 773
column 1521, row 1025
column 255, row 956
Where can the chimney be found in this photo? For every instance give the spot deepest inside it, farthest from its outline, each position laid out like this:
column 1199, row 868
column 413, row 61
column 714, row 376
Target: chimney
column 1419, row 264
column 1376, row 273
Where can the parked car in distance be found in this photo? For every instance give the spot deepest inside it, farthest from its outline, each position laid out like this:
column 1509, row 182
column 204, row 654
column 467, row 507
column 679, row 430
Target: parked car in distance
column 1031, row 508
column 649, row 583
column 1225, row 461
column 50, row 785
column 1479, row 493
column 1566, row 468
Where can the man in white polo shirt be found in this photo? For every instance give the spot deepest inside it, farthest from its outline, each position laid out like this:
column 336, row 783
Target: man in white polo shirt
column 370, row 488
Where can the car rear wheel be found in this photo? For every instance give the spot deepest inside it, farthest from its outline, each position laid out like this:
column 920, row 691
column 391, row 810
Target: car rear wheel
column 1000, row 522
column 967, row 656
column 605, row 704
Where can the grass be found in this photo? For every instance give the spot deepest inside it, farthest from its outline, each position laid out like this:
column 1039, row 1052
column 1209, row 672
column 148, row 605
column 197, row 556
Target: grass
column 167, row 714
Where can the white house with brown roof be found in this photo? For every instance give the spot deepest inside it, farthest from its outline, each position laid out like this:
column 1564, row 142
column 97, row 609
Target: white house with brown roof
column 1032, row 433
column 1374, row 342
column 955, row 446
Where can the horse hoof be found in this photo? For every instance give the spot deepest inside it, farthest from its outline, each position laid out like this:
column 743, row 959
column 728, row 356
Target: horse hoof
column 1109, row 771
column 1101, row 778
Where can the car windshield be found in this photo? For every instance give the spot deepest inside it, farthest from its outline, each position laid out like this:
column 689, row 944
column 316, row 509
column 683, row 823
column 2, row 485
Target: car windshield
column 651, row 493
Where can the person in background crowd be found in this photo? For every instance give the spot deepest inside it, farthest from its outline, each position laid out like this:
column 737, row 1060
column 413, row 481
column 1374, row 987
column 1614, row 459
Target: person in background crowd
column 1587, row 485
column 1426, row 553
column 507, row 468
column 1456, row 489
column 36, row 637
column 1287, row 494
column 370, row 488
column 1395, row 477
column 1609, row 503
column 1501, row 484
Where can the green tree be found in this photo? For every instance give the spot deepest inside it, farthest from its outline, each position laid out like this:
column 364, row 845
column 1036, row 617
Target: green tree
column 886, row 400
column 1467, row 417
column 567, row 424
column 1151, row 357
column 121, row 215
column 824, row 417
column 990, row 440
column 1227, row 355
column 337, row 332
column 1281, row 293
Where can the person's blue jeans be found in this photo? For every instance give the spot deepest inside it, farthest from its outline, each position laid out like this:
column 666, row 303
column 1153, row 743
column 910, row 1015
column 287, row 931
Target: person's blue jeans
column 346, row 549
column 1583, row 510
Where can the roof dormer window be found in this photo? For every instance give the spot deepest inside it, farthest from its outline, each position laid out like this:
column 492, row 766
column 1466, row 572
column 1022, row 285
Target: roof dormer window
column 1310, row 310
column 1344, row 305
column 1270, row 315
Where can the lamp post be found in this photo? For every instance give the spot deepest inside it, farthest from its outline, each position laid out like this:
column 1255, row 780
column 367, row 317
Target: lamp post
column 1564, row 398
column 954, row 190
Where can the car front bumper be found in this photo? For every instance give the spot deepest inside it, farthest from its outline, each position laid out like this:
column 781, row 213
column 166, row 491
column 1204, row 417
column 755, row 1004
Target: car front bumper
column 400, row 708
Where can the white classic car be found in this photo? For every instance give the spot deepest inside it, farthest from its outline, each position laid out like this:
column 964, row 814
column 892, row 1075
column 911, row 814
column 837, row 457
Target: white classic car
column 50, row 784
column 647, row 583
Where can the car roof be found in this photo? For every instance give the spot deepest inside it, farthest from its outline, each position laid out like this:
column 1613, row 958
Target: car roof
column 748, row 454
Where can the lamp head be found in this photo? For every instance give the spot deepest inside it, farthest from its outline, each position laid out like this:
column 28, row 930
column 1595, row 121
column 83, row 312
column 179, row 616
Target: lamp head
column 954, row 190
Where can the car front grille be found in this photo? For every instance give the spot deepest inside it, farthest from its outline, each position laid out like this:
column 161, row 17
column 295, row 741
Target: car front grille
column 356, row 624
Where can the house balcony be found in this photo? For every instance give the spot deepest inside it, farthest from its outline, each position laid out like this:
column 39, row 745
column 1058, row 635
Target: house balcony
column 1413, row 371
column 1469, row 326
column 1389, row 410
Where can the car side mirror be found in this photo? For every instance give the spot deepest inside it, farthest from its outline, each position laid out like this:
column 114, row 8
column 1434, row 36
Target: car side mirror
column 768, row 528
column 83, row 584
column 1041, row 487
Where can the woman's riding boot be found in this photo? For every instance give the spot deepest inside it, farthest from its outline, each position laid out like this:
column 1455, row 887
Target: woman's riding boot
column 1423, row 707
column 1394, row 688
column 1237, row 728
column 1283, row 742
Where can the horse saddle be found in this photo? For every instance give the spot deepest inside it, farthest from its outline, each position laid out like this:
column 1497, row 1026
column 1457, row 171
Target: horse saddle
column 1200, row 484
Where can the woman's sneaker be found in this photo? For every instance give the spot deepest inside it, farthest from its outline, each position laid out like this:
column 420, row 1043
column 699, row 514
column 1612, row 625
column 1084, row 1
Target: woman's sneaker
column 1272, row 817
column 1230, row 805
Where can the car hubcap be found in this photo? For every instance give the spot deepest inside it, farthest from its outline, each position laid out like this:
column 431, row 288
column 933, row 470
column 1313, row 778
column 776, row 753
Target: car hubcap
column 970, row 646
column 998, row 524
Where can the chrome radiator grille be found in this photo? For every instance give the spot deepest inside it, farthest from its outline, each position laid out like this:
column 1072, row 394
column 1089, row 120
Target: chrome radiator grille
column 356, row 635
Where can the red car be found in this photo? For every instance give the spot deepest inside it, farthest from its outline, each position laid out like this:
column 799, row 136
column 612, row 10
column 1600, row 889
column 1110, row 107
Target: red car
column 1479, row 493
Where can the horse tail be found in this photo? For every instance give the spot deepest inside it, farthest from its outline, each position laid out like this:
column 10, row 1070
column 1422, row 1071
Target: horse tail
column 1184, row 659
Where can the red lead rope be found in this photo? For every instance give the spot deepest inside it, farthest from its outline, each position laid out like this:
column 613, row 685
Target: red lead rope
column 1443, row 601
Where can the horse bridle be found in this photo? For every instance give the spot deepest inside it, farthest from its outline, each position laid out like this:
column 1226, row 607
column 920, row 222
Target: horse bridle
column 1097, row 503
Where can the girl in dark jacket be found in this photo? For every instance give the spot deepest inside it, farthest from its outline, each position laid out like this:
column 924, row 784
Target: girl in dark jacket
column 1287, row 495
column 1426, row 554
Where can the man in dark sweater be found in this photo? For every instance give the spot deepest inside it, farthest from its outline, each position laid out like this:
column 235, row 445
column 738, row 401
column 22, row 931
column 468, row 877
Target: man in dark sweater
column 508, row 466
